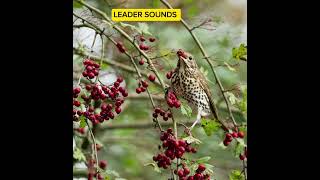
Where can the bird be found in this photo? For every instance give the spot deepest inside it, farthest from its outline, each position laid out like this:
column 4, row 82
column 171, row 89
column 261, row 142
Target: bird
column 188, row 82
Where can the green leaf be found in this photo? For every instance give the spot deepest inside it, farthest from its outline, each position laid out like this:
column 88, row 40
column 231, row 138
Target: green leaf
column 83, row 121
column 203, row 159
column 186, row 109
column 236, row 175
column 155, row 167
column 144, row 28
column 209, row 168
column 77, row 5
column 238, row 149
column 191, row 139
column 78, row 155
column 210, row 126
column 240, row 52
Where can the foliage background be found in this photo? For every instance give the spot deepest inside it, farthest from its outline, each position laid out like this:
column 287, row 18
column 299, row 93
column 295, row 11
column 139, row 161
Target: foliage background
column 128, row 150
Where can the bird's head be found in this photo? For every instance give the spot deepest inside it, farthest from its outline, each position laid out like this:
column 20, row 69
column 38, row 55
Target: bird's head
column 186, row 60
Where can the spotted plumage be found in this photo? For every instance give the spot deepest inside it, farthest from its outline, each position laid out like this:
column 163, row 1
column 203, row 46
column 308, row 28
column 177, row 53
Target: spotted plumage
column 189, row 83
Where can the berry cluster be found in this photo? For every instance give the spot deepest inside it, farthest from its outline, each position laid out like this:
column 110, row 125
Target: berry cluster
column 174, row 148
column 97, row 93
column 164, row 114
column 172, row 100
column 121, row 47
column 91, row 69
column 229, row 137
column 142, row 86
column 199, row 175
column 142, row 45
column 92, row 173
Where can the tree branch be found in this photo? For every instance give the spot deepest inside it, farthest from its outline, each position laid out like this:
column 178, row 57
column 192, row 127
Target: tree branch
column 143, row 125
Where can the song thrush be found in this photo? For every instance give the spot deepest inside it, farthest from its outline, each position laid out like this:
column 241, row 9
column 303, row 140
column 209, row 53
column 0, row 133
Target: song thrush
column 188, row 82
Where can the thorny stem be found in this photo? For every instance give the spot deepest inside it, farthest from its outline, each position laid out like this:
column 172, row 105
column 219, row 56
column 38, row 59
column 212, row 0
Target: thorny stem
column 204, row 53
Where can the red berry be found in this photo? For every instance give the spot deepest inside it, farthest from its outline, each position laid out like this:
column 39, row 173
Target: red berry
column 152, row 39
column 88, row 87
column 169, row 114
column 142, row 38
column 165, row 117
column 80, row 130
column 91, row 75
column 141, row 62
column 226, row 143
column 84, row 74
column 138, row 90
column 180, row 173
column 197, row 176
column 99, row 176
column 116, row 84
column 76, row 90
column 121, row 89
column 162, row 113
column 89, row 68
column 157, row 110
column 177, row 104
column 152, row 77
column 190, row 178
column 144, row 84
column 119, row 79
column 169, row 130
column 186, row 171
column 125, row 94
column 169, row 75
column 241, row 134
column 155, row 115
column 76, row 103
column 118, row 110
column 111, row 115
column 103, row 164
column 118, row 103
column 141, row 46
column 193, row 150
column 242, row 157
column 234, row 134
column 143, row 89
column 201, row 168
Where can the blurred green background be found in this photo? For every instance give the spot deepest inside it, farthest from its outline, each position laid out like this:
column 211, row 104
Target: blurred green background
column 128, row 150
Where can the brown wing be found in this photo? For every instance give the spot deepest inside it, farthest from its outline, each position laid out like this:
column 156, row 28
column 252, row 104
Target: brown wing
column 205, row 87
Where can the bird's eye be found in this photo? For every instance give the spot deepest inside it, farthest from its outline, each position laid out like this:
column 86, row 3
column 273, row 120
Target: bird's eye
column 190, row 58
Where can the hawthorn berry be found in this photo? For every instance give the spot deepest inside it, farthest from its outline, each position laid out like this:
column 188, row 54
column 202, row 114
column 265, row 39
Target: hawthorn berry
column 141, row 62
column 169, row 75
column 103, row 164
column 138, row 90
column 152, row 39
column 242, row 157
column 152, row 77
column 235, row 134
column 142, row 38
column 144, row 84
column 241, row 134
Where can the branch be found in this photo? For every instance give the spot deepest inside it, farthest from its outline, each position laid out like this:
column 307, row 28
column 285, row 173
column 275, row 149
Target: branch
column 204, row 53
column 143, row 125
